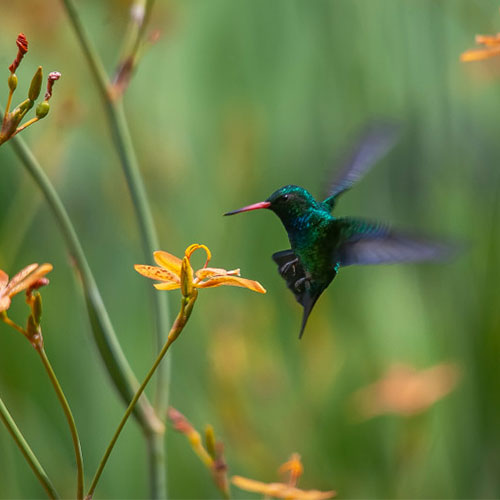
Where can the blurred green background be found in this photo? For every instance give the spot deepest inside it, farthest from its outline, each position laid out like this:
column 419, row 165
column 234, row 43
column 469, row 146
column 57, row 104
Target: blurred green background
column 236, row 99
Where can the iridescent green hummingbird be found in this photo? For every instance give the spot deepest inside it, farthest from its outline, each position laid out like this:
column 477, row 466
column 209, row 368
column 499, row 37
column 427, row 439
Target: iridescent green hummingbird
column 321, row 244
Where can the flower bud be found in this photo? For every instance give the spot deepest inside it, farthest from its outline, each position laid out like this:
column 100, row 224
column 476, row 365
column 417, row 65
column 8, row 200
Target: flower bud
column 22, row 43
column 12, row 82
column 210, row 441
column 36, row 84
column 186, row 278
column 53, row 77
column 42, row 109
column 37, row 307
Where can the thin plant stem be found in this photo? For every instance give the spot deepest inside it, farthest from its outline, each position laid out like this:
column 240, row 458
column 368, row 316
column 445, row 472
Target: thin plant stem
column 69, row 417
column 27, row 452
column 136, row 31
column 8, row 321
column 102, row 329
column 7, row 107
column 121, row 137
column 181, row 320
column 27, row 124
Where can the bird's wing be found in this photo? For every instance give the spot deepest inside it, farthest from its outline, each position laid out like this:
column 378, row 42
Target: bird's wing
column 376, row 140
column 374, row 243
column 292, row 271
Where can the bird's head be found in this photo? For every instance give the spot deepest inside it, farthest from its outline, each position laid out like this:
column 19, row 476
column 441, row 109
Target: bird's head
column 288, row 203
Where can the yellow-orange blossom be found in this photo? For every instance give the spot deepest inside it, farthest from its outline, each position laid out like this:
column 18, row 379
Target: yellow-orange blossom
column 177, row 273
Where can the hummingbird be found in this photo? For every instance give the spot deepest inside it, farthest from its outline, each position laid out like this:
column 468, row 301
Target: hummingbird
column 321, row 243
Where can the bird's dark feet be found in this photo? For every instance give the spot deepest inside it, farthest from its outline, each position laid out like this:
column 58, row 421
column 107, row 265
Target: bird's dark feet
column 302, row 284
column 291, row 264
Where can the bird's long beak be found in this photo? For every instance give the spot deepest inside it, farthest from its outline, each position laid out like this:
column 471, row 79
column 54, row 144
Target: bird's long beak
column 255, row 206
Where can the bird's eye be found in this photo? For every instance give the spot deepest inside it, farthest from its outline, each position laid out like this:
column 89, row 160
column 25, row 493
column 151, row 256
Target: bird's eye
column 285, row 197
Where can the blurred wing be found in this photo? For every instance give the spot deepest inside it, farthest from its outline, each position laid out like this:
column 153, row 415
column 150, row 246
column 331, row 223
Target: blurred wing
column 373, row 144
column 376, row 244
column 292, row 271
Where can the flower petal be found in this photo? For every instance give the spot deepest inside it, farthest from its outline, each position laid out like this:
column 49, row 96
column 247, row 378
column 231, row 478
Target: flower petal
column 232, row 281
column 17, row 278
column 27, row 279
column 209, row 272
column 4, row 279
column 480, row 54
column 4, row 303
column 280, row 490
column 168, row 261
column 157, row 273
column 167, row 286
column 488, row 40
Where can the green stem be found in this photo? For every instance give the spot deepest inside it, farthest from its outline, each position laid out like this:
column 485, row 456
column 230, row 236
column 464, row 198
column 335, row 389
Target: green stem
column 181, row 320
column 102, row 329
column 69, row 417
column 123, row 143
column 30, row 457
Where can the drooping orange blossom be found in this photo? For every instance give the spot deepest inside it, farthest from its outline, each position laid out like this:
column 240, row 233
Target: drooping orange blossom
column 24, row 279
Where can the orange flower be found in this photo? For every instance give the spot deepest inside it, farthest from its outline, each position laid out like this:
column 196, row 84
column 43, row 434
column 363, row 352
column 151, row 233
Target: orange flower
column 29, row 277
column 491, row 48
column 177, row 273
column 406, row 391
column 294, row 467
column 283, row 490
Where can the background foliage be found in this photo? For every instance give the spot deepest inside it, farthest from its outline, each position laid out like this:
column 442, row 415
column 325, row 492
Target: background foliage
column 235, row 100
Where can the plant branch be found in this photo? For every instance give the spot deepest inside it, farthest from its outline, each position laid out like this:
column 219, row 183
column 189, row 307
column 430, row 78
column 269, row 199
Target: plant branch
column 123, row 143
column 69, row 417
column 27, row 452
column 181, row 320
column 102, row 329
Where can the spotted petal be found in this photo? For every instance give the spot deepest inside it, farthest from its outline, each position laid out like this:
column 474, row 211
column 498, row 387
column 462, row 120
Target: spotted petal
column 27, row 277
column 157, row 273
column 17, row 278
column 232, row 281
column 168, row 261
column 209, row 272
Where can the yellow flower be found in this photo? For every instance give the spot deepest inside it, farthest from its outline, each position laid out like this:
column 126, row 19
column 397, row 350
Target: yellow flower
column 24, row 279
column 177, row 273
column 283, row 490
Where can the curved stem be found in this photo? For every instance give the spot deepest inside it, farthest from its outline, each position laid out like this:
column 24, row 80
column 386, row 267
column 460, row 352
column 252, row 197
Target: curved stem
column 124, row 147
column 8, row 321
column 30, row 457
column 102, row 329
column 181, row 320
column 69, row 418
